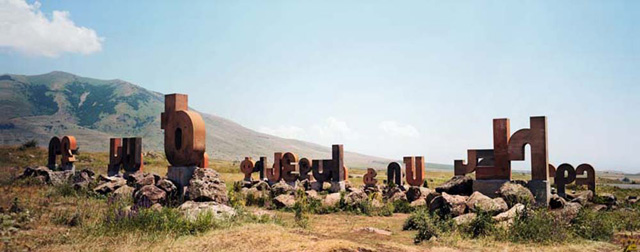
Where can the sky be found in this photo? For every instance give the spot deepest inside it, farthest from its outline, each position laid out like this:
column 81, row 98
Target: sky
column 384, row 78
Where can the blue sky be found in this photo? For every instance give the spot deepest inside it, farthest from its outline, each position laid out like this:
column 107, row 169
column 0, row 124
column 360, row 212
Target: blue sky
column 386, row 78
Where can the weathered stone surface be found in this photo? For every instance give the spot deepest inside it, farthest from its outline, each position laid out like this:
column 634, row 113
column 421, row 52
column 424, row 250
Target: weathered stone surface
column 192, row 209
column 331, row 200
column 206, row 185
column 464, row 219
column 479, row 202
column 262, row 186
column 632, row 200
column 568, row 213
column 304, row 184
column 124, row 192
column 514, row 193
column 139, row 179
column 598, row 207
column 281, row 188
column 510, row 214
column 312, row 194
column 373, row 231
column 608, row 199
column 458, row 185
column 419, row 202
column 110, row 185
column 61, row 177
column 416, row 192
column 355, row 197
column 82, row 179
column 446, row 204
column 284, row 200
column 556, row 202
column 151, row 194
column 394, row 193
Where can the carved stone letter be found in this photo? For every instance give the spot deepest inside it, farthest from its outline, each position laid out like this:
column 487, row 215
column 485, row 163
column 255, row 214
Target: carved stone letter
column 289, row 167
column 395, row 174
column 414, row 170
column 184, row 132
column 369, row 179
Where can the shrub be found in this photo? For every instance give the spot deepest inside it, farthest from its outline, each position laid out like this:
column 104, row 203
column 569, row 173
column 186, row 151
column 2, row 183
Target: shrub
column 482, row 225
column 402, row 206
column 594, row 225
column 31, row 144
column 301, row 209
column 537, row 226
column 428, row 225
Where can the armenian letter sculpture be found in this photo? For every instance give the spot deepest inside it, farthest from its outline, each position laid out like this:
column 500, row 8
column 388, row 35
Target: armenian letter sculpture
column 67, row 148
column 330, row 170
column 565, row 174
column 184, row 139
column 493, row 166
column 125, row 153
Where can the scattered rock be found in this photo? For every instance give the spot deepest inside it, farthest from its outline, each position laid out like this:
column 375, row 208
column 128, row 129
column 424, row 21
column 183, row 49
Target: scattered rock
column 458, row 185
column 284, row 200
column 416, row 192
column 598, row 207
column 262, row 186
column 632, row 200
column 446, row 204
column 568, row 213
column 331, row 200
column 465, row 218
column 393, row 194
column 281, row 188
column 110, row 185
column 419, row 202
column 304, row 184
column 373, row 230
column 60, row 177
column 556, row 202
column 355, row 197
column 514, row 193
column 151, row 194
column 608, row 199
column 479, row 202
column 206, row 185
column 124, row 192
column 172, row 191
column 82, row 179
column 139, row 179
column 192, row 209
column 510, row 214
column 312, row 194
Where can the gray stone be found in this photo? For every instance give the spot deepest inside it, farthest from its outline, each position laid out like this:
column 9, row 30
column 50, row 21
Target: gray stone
column 510, row 214
column 556, row 202
column 541, row 190
column 514, row 193
column 394, row 194
column 150, row 194
column 139, row 179
column 331, row 200
column 417, row 192
column 61, row 177
column 124, row 192
column 206, row 185
column 192, row 209
column 312, row 194
column 419, row 202
column 181, row 175
column 262, row 186
column 488, row 187
column 608, row 199
column 284, row 200
column 447, row 204
column 464, row 219
column 478, row 202
column 110, row 185
column 355, row 197
column 280, row 188
column 458, row 185
column 568, row 213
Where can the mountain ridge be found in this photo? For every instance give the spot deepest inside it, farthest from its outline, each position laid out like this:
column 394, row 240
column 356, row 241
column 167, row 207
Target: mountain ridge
column 57, row 103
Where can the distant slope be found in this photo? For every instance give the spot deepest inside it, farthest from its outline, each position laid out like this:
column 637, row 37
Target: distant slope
column 58, row 103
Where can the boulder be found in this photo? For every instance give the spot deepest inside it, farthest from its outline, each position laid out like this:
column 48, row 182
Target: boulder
column 514, row 193
column 168, row 187
column 567, row 213
column 60, row 177
column 416, row 192
column 556, row 202
column 479, row 202
column 510, row 214
column 139, row 179
column 206, row 185
column 262, row 186
column 82, row 179
column 447, row 204
column 394, row 193
column 192, row 209
column 124, row 192
column 331, row 200
column 304, row 184
column 419, row 202
column 582, row 196
column 631, row 200
column 109, row 185
column 608, row 199
column 281, row 188
column 458, row 185
column 150, row 194
column 284, row 200
column 312, row 194
column 355, row 197
column 464, row 219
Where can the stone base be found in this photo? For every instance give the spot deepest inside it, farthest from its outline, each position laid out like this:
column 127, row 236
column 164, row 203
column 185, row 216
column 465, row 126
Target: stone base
column 541, row 190
column 488, row 186
column 180, row 176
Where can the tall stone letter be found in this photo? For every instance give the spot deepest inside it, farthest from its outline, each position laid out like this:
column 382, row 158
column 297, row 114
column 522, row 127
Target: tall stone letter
column 415, row 170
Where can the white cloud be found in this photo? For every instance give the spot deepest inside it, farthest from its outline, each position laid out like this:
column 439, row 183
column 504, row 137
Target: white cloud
column 396, row 129
column 330, row 132
column 24, row 28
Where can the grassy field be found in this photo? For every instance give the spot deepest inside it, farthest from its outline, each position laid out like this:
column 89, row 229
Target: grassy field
column 63, row 220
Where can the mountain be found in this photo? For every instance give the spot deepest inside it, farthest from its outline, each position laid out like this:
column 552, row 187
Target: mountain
column 58, row 103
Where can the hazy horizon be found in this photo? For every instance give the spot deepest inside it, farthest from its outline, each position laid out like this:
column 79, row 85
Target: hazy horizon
column 384, row 79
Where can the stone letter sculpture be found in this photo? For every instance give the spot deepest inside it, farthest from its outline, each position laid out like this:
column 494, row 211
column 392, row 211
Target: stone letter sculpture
column 125, row 153
column 395, row 174
column 54, row 151
column 289, row 165
column 572, row 174
column 184, row 132
column 536, row 137
column 67, row 148
column 332, row 170
column 246, row 166
column 561, row 180
column 369, row 179
column 304, row 166
column 414, row 170
column 274, row 173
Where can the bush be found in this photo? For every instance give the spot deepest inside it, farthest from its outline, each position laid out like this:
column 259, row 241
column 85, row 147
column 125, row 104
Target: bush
column 538, row 226
column 301, row 209
column 592, row 225
column 428, row 225
column 402, row 206
column 482, row 225
column 31, row 144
